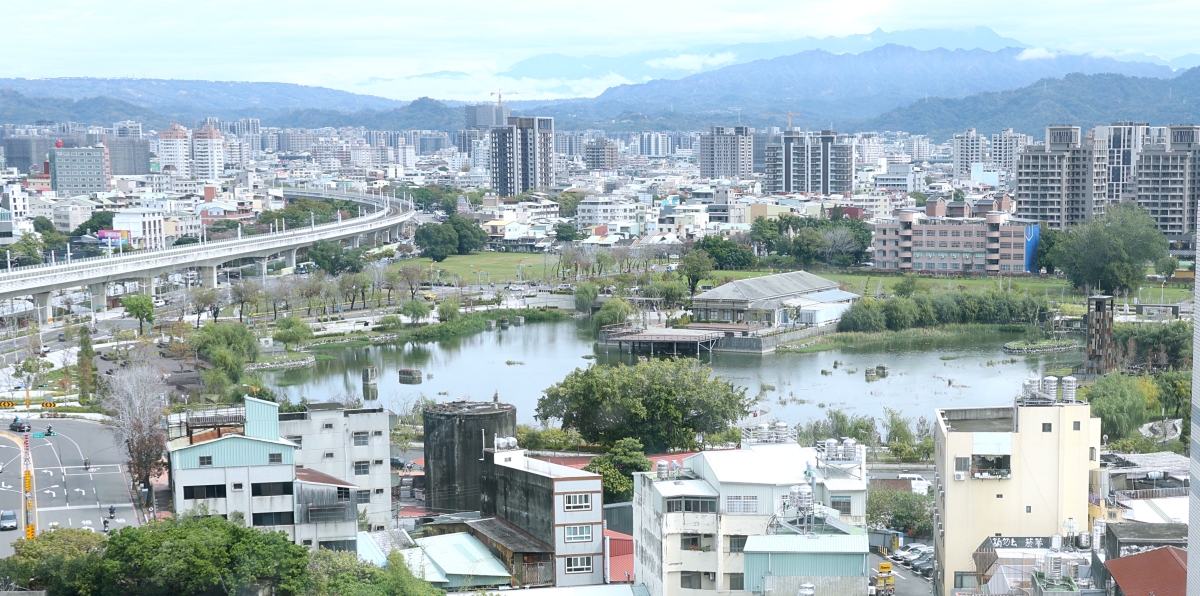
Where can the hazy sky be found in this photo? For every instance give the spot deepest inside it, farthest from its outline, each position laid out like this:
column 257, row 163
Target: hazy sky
column 371, row 46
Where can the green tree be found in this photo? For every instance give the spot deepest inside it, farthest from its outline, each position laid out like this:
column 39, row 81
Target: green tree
column 568, row 202
column 765, row 231
column 27, row 250
column 227, row 346
column 51, row 237
column 865, row 315
column 900, row 313
column 909, row 285
column 100, row 220
column 900, row 510
column 617, row 467
column 65, row 561
column 807, row 245
column 695, row 266
column 436, row 241
column 585, row 296
column 448, row 310
column 725, row 253
column 614, row 312
column 140, row 307
column 1048, row 238
column 919, row 197
column 666, row 404
column 1110, row 254
column 1166, row 266
column 470, row 236
column 332, row 258
column 242, row 292
column 85, row 368
column 415, row 310
column 291, row 330
column 565, row 232
column 1120, row 403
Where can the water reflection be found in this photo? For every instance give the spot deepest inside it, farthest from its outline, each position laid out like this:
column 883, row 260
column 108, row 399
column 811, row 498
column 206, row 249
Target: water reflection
column 519, row 362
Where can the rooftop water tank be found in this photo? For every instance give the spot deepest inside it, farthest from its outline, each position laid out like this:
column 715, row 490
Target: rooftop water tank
column 662, row 469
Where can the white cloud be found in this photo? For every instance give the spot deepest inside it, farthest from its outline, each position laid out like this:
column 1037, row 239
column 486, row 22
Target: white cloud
column 1035, row 54
column 693, row 62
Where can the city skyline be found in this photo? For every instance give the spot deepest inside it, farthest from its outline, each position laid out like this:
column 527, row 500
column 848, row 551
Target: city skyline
column 424, row 51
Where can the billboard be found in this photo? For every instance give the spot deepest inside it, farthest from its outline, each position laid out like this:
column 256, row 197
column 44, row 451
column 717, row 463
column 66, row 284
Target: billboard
column 113, row 237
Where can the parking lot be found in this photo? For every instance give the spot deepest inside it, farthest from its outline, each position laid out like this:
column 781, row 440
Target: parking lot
column 907, row 582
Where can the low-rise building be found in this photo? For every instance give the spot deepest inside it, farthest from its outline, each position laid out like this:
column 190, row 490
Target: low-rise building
column 1013, row 471
column 758, row 300
column 145, row 227
column 712, row 523
column 914, row 242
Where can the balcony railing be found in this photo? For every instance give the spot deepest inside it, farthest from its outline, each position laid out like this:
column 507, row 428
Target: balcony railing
column 991, row 473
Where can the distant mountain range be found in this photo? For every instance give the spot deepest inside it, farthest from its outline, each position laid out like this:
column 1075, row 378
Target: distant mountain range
column 202, row 98
column 1078, row 99
column 829, row 87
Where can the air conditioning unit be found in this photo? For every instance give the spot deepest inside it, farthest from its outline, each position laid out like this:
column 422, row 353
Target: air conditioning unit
column 960, row 475
column 711, row 575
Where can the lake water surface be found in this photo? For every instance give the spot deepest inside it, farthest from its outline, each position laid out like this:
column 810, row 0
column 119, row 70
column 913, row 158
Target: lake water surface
column 477, row 367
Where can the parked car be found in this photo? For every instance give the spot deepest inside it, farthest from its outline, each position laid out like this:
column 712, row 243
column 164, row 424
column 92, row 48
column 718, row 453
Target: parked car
column 927, row 569
column 8, row 520
column 914, row 554
column 896, row 554
column 912, row 564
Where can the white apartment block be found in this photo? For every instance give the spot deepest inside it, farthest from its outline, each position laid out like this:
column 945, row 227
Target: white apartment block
column 145, row 227
column 691, row 523
column 15, row 200
column 1167, row 183
column 968, row 148
column 352, row 444
column 175, row 151
column 1006, row 149
column 726, row 153
column 598, row 210
column 68, row 217
column 917, row 147
column 1064, row 182
column 814, row 162
column 208, row 153
column 1012, row 471
column 1125, row 142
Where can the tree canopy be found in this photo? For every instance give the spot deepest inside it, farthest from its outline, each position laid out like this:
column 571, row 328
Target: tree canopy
column 695, row 266
column 436, row 241
column 664, row 403
column 140, row 307
column 1120, row 403
column 334, row 259
column 726, row 254
column 617, row 467
column 1110, row 254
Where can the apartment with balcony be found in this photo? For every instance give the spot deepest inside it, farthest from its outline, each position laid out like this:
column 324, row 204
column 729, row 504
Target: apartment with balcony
column 1008, row 472
column 1065, row 181
column 233, row 462
column 914, row 242
column 699, row 525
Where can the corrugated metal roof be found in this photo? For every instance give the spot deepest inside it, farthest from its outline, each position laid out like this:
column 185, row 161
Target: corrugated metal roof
column 369, row 551
column 685, row 488
column 769, row 286
column 423, row 567
column 818, row 543
column 832, row 296
column 1162, row 572
column 462, row 554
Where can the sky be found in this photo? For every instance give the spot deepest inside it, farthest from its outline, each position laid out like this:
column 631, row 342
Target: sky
column 383, row 47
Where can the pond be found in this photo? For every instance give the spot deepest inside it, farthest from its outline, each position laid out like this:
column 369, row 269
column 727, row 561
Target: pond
column 519, row 362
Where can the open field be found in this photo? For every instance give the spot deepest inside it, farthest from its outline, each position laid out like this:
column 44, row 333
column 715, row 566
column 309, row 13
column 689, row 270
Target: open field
column 501, row 266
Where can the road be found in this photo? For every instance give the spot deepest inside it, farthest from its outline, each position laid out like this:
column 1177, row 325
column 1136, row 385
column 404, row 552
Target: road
column 67, row 494
column 907, row 582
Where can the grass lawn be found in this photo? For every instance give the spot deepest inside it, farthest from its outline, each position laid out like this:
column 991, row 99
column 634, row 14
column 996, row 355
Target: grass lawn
column 502, row 266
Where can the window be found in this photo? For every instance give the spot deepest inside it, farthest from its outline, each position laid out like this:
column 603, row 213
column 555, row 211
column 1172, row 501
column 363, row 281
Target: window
column 1046, row 427
column 842, row 504
column 276, row 518
column 962, row 464
column 328, row 454
column 364, row 497
column 579, row 564
column 737, row 544
column 205, row 461
column 1075, row 425
column 378, row 433
column 580, row 502
column 378, row 462
column 741, row 504
column 1028, row 509
column 298, row 440
column 208, row 491
column 362, row 468
column 361, row 439
column 690, row 580
column 965, row 579
column 270, row 489
column 328, row 425
column 343, row 494
column 379, row 491
column 237, row 486
column 689, row 542
column 1091, row 453
column 691, row 505
column 578, row 534
column 274, row 458
column 327, row 514
column 308, row 542
column 737, row 581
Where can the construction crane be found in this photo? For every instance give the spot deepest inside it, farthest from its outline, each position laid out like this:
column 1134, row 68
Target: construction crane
column 499, row 93
column 789, row 116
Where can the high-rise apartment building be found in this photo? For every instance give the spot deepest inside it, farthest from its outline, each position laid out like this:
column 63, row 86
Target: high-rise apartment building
column 1168, row 184
column 175, row 151
column 1006, row 149
column 1009, row 471
column 917, row 147
column 601, row 154
column 80, row 170
column 811, row 162
column 127, row 129
column 522, row 155
column 727, row 153
column 968, row 148
column 654, row 144
column 762, row 138
column 1063, row 182
column 130, row 156
column 486, row 115
column 208, row 153
column 1125, row 142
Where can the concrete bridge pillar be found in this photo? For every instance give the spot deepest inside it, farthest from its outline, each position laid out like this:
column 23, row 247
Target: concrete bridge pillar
column 45, row 311
column 99, row 293
column 147, row 285
column 208, row 276
column 290, row 256
column 354, row 241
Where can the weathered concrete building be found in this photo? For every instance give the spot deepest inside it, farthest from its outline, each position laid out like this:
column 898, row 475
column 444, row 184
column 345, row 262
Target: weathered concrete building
column 456, row 434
